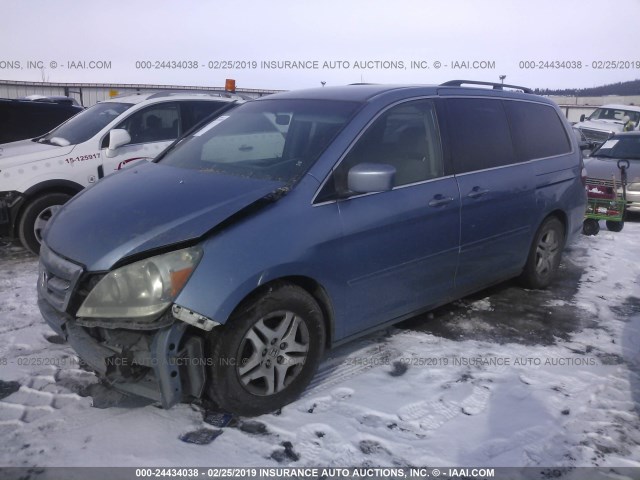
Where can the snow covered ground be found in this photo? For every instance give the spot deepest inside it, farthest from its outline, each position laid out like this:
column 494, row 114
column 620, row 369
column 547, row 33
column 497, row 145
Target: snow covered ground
column 506, row 377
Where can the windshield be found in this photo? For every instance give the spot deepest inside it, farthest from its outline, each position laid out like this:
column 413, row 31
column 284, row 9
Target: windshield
column 269, row 139
column 627, row 147
column 85, row 125
column 614, row 114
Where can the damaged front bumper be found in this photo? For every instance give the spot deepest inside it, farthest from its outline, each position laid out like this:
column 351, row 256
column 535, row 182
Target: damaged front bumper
column 164, row 362
column 164, row 365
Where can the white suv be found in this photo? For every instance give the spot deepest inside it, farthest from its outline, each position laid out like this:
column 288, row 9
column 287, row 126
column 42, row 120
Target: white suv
column 37, row 176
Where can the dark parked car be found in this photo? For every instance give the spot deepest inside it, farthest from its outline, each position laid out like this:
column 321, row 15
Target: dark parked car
column 299, row 221
column 27, row 118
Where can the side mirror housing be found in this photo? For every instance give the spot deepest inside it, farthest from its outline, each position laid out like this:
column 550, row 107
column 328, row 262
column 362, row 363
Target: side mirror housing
column 117, row 138
column 371, row 177
column 582, row 117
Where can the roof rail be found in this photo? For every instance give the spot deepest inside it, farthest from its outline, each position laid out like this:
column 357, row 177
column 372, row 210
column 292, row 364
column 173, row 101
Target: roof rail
column 221, row 93
column 496, row 86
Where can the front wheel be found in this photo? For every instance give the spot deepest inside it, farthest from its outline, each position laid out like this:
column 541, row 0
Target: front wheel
column 268, row 352
column 544, row 256
column 35, row 217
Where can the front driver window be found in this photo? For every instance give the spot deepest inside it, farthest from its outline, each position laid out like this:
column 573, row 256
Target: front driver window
column 405, row 137
column 153, row 124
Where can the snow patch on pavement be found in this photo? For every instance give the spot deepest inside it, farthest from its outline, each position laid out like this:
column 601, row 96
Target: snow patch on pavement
column 399, row 397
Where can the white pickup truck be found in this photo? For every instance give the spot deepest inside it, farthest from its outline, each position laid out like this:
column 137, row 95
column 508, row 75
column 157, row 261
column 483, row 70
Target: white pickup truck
column 607, row 120
column 39, row 175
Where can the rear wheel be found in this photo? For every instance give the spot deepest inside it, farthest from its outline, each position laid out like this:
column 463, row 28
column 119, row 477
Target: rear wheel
column 35, row 217
column 545, row 254
column 268, row 352
column 590, row 226
column 615, row 226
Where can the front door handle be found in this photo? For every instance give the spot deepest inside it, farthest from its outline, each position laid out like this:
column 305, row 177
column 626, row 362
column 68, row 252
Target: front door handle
column 477, row 192
column 440, row 200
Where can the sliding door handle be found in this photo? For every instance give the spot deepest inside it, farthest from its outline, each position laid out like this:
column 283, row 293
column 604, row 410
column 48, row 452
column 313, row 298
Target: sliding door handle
column 477, row 192
column 440, row 200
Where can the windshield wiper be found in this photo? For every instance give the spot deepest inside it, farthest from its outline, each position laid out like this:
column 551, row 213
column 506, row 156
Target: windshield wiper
column 277, row 193
column 57, row 141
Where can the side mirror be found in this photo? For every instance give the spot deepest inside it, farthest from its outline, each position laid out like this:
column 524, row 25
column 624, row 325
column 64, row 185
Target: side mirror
column 582, row 117
column 371, row 177
column 117, row 138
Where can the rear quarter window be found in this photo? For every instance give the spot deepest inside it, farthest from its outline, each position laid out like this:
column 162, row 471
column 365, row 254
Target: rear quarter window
column 537, row 130
column 196, row 111
column 480, row 136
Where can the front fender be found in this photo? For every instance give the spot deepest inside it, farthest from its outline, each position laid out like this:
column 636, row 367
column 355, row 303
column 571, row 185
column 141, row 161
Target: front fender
column 275, row 243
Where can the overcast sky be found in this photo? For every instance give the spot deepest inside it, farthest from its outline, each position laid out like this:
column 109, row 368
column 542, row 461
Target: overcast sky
column 505, row 32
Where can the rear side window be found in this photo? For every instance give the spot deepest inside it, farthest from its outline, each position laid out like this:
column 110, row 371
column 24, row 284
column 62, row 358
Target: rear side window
column 193, row 112
column 480, row 136
column 537, row 130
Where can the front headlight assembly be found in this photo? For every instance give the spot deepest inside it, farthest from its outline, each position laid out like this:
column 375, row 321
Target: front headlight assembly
column 141, row 290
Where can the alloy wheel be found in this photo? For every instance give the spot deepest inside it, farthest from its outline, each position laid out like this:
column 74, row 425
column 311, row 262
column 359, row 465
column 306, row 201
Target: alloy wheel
column 546, row 252
column 272, row 353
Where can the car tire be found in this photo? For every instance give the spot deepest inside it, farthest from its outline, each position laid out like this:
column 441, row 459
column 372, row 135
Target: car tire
column 35, row 217
column 590, row 226
column 614, row 226
column 545, row 254
column 268, row 351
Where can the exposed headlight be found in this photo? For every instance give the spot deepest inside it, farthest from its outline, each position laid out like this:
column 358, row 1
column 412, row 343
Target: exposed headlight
column 143, row 289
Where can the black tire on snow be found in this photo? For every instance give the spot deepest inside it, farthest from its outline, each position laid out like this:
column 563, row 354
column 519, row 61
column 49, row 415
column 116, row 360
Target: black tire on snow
column 545, row 255
column 614, row 226
column 35, row 216
column 233, row 346
column 590, row 226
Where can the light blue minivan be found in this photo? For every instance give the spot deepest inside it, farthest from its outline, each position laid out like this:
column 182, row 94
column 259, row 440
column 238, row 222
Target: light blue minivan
column 299, row 221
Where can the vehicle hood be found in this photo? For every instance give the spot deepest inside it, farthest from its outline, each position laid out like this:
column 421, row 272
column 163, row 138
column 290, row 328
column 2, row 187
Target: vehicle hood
column 607, row 168
column 602, row 125
column 24, row 151
column 146, row 207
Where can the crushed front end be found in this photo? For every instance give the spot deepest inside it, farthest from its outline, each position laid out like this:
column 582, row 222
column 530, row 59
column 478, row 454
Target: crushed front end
column 160, row 357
